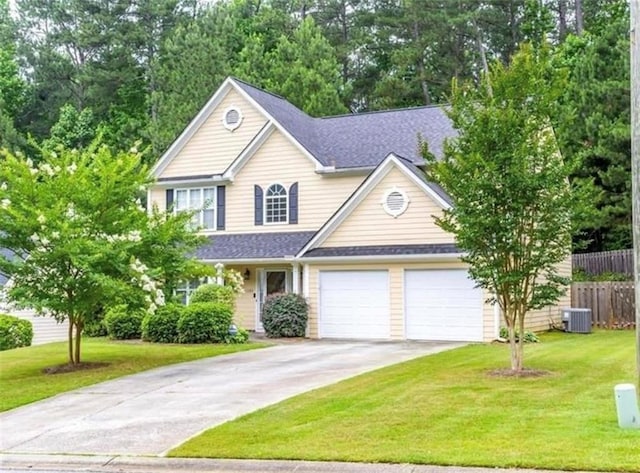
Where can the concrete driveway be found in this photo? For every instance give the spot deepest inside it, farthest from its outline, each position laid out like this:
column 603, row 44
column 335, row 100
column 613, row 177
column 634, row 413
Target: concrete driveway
column 151, row 412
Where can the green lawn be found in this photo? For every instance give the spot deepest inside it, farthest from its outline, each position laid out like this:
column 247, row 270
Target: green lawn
column 445, row 409
column 22, row 380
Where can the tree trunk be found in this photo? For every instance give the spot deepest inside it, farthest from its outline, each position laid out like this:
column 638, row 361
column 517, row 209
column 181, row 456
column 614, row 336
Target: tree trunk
column 70, row 340
column 422, row 70
column 78, row 340
column 562, row 19
column 579, row 17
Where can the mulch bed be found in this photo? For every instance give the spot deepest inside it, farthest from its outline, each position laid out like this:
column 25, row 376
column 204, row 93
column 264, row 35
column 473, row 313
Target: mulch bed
column 525, row 373
column 69, row 368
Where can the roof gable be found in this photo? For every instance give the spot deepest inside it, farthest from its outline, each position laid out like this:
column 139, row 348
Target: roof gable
column 391, row 162
column 353, row 141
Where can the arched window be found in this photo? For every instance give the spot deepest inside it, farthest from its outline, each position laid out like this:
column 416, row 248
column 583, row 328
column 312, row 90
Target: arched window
column 275, row 204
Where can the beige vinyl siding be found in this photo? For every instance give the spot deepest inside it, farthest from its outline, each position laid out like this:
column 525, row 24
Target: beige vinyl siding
column 396, row 295
column 158, row 197
column 245, row 315
column 538, row 320
column 279, row 161
column 45, row 328
column 213, row 148
column 369, row 224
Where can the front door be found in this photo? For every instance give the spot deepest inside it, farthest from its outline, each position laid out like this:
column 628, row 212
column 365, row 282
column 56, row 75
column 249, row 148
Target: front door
column 270, row 281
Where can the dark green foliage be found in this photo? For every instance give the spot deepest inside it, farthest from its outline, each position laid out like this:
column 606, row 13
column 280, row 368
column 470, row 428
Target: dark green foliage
column 239, row 338
column 580, row 275
column 214, row 293
column 14, row 332
column 529, row 337
column 285, row 315
column 124, row 323
column 95, row 328
column 204, row 322
column 595, row 125
column 162, row 325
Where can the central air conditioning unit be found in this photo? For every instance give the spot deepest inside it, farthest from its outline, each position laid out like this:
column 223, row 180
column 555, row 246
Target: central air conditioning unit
column 576, row 320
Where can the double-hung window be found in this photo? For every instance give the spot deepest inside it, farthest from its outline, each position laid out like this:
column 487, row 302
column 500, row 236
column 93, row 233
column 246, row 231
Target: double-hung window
column 200, row 200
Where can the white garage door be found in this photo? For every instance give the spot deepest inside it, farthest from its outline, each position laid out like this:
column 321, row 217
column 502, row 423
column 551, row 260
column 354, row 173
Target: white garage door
column 354, row 304
column 442, row 305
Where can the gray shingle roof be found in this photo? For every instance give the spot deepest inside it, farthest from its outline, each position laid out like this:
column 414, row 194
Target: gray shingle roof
column 361, row 139
column 420, row 173
column 253, row 245
column 384, row 250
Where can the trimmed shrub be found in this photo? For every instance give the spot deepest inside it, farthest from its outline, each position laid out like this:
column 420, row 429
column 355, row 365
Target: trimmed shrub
column 14, row 332
column 124, row 323
column 95, row 328
column 529, row 337
column 239, row 338
column 162, row 326
column 285, row 315
column 205, row 322
column 214, row 293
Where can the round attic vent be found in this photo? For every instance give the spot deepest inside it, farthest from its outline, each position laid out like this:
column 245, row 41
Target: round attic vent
column 232, row 118
column 395, row 202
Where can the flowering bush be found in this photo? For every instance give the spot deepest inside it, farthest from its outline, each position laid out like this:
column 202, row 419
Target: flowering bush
column 87, row 242
column 14, row 332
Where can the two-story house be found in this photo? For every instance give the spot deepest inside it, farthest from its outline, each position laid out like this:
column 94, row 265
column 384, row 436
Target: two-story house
column 336, row 209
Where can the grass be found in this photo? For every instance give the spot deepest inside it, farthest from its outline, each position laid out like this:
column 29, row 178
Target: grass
column 445, row 409
column 23, row 381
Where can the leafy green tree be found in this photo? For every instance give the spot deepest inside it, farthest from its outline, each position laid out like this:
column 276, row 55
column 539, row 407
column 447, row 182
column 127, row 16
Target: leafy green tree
column 301, row 68
column 596, row 123
column 82, row 241
column 73, row 129
column 513, row 208
column 192, row 65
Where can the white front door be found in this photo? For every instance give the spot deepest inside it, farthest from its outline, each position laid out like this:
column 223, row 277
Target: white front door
column 270, row 281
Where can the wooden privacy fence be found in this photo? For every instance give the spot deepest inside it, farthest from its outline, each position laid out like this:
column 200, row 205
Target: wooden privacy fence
column 612, row 304
column 618, row 261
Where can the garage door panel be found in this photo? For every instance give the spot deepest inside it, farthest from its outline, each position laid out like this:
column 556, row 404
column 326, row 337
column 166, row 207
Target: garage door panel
column 354, row 304
column 442, row 305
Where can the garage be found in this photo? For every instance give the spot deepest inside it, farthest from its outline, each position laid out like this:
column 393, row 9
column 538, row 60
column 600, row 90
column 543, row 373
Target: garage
column 442, row 305
column 354, row 304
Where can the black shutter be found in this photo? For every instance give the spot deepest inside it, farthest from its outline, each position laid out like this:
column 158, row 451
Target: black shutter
column 293, row 203
column 220, row 206
column 258, row 204
column 169, row 205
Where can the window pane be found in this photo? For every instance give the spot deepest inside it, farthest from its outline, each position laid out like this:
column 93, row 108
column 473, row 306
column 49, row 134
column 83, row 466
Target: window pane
column 208, row 220
column 209, row 198
column 181, row 200
column 195, row 199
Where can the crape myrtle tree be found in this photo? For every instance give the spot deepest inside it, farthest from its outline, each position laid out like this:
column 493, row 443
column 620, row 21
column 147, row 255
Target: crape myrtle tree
column 81, row 240
column 513, row 205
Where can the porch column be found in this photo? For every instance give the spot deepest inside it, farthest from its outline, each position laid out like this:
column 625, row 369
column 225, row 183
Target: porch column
column 295, row 278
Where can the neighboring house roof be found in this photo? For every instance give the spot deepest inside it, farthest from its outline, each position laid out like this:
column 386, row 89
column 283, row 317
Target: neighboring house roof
column 384, row 250
column 360, row 139
column 248, row 246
